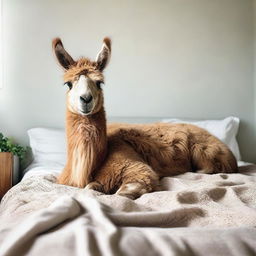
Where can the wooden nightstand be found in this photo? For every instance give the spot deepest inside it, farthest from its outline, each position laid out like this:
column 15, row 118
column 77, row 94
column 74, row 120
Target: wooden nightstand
column 7, row 172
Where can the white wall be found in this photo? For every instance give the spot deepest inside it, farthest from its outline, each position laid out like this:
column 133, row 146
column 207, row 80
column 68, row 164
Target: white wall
column 177, row 58
column 254, row 66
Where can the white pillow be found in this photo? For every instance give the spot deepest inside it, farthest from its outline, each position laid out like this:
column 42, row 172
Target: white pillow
column 48, row 145
column 225, row 130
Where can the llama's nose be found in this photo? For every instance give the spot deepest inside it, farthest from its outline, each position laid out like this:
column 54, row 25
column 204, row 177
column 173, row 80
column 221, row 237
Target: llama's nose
column 86, row 98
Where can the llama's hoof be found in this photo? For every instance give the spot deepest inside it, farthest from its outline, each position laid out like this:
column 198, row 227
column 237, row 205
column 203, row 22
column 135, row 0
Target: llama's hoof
column 94, row 186
column 132, row 190
column 128, row 195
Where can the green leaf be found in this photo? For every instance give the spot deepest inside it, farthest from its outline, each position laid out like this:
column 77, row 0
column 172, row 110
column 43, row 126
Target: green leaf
column 6, row 145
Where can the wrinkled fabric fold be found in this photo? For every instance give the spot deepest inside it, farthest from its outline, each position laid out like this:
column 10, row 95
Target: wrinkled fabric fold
column 195, row 214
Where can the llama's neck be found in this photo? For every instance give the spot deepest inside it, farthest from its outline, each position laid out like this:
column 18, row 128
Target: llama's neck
column 87, row 145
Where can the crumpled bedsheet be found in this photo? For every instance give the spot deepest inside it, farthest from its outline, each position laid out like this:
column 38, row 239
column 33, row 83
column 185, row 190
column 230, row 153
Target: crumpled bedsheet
column 194, row 214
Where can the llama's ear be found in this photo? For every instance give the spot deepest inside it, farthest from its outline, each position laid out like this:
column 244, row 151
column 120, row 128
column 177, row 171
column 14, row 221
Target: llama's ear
column 103, row 56
column 64, row 59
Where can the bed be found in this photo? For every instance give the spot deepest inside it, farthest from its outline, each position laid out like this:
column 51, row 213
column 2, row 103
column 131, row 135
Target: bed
column 192, row 214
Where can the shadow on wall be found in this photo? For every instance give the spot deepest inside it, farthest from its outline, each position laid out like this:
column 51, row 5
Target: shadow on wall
column 247, row 141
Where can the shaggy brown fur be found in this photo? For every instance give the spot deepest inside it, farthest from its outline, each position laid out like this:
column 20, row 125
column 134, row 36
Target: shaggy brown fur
column 87, row 147
column 129, row 159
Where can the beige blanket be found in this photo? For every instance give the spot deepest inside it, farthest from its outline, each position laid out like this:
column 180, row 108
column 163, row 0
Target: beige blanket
column 196, row 214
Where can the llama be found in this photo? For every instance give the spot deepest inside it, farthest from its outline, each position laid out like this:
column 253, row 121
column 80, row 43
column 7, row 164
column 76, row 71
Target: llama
column 126, row 159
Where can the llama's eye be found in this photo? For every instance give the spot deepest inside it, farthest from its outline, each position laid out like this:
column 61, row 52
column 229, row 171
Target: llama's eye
column 99, row 84
column 69, row 84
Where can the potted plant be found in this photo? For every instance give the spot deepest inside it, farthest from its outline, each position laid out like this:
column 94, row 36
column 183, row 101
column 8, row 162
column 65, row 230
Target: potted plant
column 18, row 152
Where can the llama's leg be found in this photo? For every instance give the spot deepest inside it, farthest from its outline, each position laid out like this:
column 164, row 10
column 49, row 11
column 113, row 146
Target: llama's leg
column 138, row 179
column 132, row 190
column 134, row 179
column 95, row 185
column 124, row 172
column 65, row 177
column 213, row 158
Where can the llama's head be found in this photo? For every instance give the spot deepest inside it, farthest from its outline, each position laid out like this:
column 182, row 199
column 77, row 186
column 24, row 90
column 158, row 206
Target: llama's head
column 84, row 78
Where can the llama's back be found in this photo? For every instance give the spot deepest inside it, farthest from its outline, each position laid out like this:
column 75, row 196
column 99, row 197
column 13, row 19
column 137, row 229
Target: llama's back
column 172, row 149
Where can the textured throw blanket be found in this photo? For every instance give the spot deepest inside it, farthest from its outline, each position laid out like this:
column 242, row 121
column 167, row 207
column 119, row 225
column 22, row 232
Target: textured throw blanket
column 195, row 214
